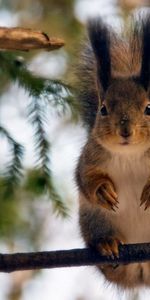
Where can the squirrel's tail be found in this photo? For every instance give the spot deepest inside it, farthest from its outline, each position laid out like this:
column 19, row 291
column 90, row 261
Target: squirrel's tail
column 107, row 55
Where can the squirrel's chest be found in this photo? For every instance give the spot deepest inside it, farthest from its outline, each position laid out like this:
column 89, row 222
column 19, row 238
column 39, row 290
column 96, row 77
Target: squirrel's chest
column 130, row 175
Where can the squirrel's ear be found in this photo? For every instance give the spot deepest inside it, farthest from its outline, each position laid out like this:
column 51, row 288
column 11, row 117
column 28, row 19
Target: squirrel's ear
column 145, row 65
column 99, row 36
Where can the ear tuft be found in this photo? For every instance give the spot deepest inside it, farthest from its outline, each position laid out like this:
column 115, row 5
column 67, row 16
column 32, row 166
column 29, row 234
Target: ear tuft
column 99, row 36
column 145, row 66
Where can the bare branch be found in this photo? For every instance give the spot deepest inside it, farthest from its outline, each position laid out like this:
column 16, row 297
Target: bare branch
column 25, row 39
column 71, row 258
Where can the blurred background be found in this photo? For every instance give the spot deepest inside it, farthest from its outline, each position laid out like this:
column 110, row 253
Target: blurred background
column 30, row 220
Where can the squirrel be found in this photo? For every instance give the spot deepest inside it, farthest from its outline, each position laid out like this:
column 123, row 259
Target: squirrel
column 113, row 171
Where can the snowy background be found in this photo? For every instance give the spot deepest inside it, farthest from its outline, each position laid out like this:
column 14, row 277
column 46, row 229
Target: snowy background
column 83, row 283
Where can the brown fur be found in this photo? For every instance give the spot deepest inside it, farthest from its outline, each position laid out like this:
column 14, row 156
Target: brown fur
column 116, row 153
column 125, row 62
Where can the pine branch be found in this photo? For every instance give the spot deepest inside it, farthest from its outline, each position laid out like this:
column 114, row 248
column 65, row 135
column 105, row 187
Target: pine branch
column 70, row 258
column 26, row 39
column 42, row 146
column 13, row 171
column 57, row 93
column 42, row 92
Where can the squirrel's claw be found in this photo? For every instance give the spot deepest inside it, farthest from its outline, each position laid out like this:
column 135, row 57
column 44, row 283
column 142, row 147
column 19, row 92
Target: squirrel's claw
column 107, row 196
column 145, row 197
column 110, row 247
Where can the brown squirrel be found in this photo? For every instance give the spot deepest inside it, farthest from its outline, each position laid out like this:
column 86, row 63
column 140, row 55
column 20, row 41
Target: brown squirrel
column 113, row 173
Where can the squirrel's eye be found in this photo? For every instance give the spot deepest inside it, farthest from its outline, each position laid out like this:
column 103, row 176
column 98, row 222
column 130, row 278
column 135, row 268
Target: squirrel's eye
column 147, row 110
column 104, row 110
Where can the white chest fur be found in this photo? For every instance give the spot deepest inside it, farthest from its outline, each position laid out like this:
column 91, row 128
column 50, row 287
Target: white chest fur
column 130, row 174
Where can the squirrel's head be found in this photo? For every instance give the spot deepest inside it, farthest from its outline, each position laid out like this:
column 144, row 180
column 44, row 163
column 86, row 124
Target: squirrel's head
column 123, row 117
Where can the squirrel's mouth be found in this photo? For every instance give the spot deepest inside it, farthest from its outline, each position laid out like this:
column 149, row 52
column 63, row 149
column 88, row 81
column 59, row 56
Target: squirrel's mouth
column 124, row 143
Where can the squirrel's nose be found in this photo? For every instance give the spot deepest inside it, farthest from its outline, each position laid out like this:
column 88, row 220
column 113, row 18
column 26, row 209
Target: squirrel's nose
column 125, row 130
column 125, row 133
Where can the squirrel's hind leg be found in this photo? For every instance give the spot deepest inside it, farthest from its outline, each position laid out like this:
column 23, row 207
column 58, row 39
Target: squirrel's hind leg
column 109, row 247
column 98, row 231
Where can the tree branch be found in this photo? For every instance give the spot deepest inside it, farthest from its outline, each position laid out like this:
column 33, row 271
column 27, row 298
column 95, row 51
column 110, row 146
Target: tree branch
column 25, row 39
column 71, row 258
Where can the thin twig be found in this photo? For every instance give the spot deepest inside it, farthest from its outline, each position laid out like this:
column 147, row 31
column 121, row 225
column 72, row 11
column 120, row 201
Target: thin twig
column 25, row 39
column 71, row 258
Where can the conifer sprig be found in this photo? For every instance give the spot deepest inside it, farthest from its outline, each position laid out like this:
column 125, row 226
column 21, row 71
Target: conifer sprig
column 13, row 169
column 37, row 117
column 55, row 91
column 42, row 92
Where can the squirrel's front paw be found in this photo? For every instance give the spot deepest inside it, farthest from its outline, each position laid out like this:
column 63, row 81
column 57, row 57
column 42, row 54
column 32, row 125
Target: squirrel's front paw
column 145, row 197
column 109, row 247
column 106, row 195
